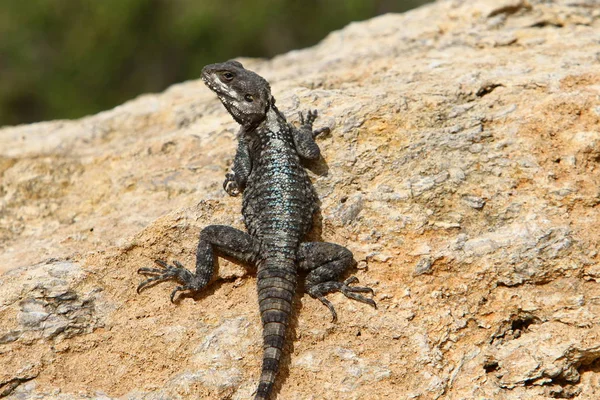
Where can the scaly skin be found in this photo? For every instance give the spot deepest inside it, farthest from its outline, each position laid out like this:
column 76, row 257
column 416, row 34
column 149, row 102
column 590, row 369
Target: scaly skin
column 278, row 205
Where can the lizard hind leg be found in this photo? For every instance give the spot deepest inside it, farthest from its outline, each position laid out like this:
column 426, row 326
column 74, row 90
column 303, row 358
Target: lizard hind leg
column 326, row 262
column 224, row 240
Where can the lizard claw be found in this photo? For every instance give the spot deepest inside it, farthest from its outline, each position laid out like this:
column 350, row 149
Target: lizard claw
column 174, row 292
column 328, row 304
column 157, row 275
column 318, row 292
column 175, row 272
column 351, row 292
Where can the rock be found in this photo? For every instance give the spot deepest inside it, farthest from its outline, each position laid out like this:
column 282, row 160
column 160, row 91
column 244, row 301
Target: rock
column 463, row 133
column 423, row 266
column 474, row 201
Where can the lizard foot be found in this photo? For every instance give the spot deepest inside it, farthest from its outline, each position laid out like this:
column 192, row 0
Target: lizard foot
column 230, row 185
column 175, row 272
column 307, row 122
column 318, row 292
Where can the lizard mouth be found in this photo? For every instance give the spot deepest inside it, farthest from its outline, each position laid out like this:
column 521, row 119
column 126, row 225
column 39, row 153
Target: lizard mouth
column 210, row 82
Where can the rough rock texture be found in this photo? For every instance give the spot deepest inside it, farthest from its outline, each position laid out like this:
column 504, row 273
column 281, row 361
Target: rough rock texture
column 462, row 170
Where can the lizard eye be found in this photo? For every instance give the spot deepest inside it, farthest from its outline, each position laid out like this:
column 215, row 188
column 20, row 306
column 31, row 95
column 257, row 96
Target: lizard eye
column 228, row 76
column 249, row 98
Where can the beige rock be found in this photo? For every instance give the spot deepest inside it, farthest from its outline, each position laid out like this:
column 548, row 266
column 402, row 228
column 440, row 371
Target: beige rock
column 462, row 170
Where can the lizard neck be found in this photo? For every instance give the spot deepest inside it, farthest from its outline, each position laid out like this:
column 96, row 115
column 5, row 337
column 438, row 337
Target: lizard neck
column 273, row 127
column 272, row 118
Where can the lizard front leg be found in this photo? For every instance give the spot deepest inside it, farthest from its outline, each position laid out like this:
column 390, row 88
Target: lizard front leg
column 304, row 136
column 235, row 181
column 220, row 239
column 326, row 263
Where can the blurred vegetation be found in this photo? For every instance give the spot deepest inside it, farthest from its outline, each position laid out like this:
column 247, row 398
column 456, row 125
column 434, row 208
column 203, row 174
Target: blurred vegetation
column 69, row 58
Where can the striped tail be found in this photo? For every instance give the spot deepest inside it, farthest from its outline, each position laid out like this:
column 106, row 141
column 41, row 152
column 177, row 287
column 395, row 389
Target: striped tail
column 276, row 288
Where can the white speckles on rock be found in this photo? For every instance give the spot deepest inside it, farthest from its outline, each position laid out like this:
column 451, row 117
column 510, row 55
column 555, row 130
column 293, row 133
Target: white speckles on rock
column 480, row 246
column 423, row 266
column 50, row 307
column 473, row 201
column 359, row 371
column 348, row 211
column 457, row 175
column 476, row 148
column 32, row 313
column 460, row 109
column 423, row 184
column 345, row 354
column 309, row 361
column 504, row 112
column 224, row 344
column 214, row 378
column 351, row 123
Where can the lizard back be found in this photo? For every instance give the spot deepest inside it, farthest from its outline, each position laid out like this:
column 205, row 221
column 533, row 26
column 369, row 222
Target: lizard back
column 278, row 204
column 279, row 200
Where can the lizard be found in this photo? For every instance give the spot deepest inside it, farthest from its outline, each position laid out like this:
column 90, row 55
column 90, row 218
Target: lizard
column 278, row 204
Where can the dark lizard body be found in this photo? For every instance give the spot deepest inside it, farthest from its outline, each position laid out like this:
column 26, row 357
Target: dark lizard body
column 278, row 206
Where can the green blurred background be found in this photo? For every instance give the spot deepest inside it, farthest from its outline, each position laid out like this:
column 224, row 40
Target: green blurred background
column 69, row 58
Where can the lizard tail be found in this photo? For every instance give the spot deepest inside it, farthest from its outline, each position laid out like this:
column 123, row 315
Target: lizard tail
column 276, row 287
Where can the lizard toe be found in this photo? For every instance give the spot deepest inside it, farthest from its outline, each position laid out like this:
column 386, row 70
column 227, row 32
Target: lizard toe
column 328, row 304
column 175, row 272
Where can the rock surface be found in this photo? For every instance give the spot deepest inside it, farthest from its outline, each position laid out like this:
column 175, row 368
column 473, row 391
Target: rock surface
column 463, row 171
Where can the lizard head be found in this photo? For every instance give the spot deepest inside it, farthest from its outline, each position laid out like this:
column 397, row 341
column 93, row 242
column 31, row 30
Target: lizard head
column 246, row 95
